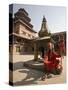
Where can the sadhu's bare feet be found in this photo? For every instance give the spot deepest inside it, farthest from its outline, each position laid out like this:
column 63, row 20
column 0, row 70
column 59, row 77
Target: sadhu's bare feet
column 49, row 75
column 43, row 78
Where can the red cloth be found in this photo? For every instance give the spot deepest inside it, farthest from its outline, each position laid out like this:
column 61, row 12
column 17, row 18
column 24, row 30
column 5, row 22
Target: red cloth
column 62, row 47
column 52, row 63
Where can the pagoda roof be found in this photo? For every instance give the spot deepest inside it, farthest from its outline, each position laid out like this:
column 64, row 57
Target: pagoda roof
column 21, row 36
column 23, row 10
column 31, row 29
column 21, row 13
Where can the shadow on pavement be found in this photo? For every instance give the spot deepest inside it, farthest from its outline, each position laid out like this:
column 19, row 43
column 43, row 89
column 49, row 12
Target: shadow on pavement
column 31, row 78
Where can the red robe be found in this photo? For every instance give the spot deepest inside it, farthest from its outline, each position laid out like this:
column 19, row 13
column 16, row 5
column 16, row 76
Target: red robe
column 62, row 47
column 52, row 63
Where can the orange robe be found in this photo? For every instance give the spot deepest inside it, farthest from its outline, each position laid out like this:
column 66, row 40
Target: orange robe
column 52, row 63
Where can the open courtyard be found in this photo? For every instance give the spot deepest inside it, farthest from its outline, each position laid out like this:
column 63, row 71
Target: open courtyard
column 28, row 76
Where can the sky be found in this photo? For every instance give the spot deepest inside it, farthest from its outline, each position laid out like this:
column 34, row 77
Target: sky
column 55, row 16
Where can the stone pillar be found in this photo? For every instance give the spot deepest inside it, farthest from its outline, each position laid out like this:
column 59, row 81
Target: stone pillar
column 35, row 51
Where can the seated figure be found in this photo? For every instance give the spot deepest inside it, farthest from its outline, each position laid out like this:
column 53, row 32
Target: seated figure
column 52, row 62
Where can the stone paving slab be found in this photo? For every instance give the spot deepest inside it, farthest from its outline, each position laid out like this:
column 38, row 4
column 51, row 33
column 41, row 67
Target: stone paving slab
column 29, row 76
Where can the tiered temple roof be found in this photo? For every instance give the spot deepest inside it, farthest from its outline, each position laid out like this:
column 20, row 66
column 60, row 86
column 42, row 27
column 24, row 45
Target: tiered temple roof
column 22, row 15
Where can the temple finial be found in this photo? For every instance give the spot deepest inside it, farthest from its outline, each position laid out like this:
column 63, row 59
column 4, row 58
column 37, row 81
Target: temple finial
column 44, row 19
column 44, row 30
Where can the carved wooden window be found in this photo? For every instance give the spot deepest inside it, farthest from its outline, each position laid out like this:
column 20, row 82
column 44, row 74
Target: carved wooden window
column 17, row 48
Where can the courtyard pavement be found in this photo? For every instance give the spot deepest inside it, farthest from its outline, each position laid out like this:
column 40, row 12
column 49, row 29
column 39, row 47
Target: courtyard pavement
column 28, row 76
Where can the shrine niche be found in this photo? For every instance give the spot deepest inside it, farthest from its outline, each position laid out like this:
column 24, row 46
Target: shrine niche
column 40, row 44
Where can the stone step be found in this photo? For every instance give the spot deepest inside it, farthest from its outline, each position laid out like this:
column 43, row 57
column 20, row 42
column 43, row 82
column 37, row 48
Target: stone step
column 34, row 65
column 40, row 66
